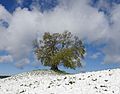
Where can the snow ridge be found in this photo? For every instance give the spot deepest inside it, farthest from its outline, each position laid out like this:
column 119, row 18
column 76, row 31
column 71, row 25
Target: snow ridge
column 48, row 82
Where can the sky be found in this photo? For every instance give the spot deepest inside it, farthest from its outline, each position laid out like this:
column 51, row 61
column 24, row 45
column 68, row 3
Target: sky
column 95, row 22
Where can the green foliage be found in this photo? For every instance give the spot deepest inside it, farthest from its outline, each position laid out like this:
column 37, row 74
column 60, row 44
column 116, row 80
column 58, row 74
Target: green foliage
column 58, row 48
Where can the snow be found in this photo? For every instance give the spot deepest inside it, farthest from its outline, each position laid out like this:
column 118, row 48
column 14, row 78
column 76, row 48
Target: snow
column 48, row 82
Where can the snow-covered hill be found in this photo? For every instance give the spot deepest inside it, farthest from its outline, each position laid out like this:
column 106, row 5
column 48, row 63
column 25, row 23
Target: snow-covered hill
column 48, row 82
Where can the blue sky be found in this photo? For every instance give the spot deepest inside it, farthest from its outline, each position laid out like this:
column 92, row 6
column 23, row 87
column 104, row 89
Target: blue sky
column 96, row 22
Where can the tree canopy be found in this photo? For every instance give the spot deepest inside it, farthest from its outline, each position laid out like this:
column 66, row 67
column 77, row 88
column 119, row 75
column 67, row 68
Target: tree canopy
column 55, row 49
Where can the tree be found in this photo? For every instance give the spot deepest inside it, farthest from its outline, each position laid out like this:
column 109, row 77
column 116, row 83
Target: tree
column 55, row 49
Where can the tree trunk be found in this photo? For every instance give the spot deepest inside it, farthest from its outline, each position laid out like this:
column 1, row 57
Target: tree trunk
column 55, row 68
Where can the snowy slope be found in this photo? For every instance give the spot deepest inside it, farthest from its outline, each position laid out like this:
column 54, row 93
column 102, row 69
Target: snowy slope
column 47, row 82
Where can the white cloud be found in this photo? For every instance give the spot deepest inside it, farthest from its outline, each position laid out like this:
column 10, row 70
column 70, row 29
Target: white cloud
column 95, row 55
column 4, row 14
column 22, row 63
column 7, row 58
column 76, row 16
column 112, row 58
column 22, row 31
column 112, row 50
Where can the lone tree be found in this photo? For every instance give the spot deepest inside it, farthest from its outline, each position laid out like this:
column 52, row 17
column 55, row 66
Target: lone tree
column 55, row 49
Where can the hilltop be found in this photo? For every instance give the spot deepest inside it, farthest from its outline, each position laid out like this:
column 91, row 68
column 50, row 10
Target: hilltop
column 50, row 82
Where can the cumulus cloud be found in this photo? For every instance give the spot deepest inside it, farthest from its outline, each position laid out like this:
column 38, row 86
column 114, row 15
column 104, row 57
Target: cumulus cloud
column 112, row 50
column 22, row 63
column 77, row 17
column 7, row 58
column 95, row 56
column 4, row 14
column 22, row 31
column 17, row 38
